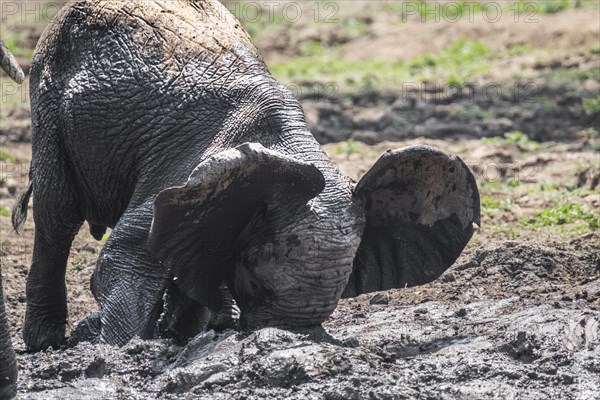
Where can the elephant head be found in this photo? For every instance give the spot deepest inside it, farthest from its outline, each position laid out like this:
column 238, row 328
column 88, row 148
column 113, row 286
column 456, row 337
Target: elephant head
column 289, row 238
column 8, row 363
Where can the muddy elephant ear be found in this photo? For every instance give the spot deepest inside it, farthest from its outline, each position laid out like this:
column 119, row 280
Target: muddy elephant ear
column 196, row 228
column 420, row 206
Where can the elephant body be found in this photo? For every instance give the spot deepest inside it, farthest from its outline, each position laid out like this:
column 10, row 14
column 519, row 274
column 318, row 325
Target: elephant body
column 160, row 120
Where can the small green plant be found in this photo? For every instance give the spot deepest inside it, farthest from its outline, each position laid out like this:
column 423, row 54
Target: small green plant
column 79, row 264
column 517, row 138
column 459, row 62
column 540, row 6
column 520, row 49
column 514, row 182
column 553, row 6
column 570, row 77
column 7, row 157
column 567, row 214
column 312, row 48
column 348, row 147
column 4, row 212
column 490, row 204
column 354, row 27
column 591, row 106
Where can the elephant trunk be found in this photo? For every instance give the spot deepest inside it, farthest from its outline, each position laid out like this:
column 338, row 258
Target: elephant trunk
column 8, row 362
column 9, row 64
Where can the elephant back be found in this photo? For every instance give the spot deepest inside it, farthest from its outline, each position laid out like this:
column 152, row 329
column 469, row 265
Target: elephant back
column 167, row 33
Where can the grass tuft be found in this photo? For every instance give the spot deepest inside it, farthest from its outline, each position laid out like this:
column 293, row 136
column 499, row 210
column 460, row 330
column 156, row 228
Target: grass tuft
column 517, row 138
column 347, row 147
column 568, row 214
column 5, row 156
column 456, row 65
column 591, row 106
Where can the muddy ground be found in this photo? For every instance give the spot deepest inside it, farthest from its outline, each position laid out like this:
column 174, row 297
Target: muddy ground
column 517, row 316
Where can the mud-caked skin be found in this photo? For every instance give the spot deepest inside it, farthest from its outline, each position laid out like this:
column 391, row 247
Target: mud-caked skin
column 160, row 120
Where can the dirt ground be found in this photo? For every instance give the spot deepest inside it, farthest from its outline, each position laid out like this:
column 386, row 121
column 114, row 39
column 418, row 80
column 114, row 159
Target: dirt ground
column 516, row 317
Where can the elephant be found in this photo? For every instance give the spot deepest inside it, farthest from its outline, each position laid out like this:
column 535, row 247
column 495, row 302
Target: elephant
column 8, row 361
column 160, row 120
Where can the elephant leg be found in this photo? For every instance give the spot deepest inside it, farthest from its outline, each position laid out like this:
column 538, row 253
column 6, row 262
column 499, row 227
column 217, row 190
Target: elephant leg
column 182, row 318
column 228, row 315
column 128, row 282
column 86, row 330
column 57, row 220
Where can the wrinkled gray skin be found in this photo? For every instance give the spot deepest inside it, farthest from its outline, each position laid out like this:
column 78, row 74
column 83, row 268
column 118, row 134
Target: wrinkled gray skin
column 160, row 120
column 8, row 362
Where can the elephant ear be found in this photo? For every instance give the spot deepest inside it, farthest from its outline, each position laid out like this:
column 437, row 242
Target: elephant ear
column 198, row 228
column 420, row 206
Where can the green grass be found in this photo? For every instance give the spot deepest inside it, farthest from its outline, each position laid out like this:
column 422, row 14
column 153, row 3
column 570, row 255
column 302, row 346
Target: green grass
column 570, row 77
column 5, row 156
column 517, row 138
column 520, row 49
column 4, row 212
column 459, row 63
column 490, row 205
column 348, row 147
column 553, row 6
column 575, row 215
column 525, row 7
column 79, row 264
column 354, row 27
column 312, row 48
column 15, row 41
column 591, row 106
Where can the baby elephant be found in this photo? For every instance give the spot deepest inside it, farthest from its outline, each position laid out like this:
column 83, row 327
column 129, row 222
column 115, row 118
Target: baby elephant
column 160, row 120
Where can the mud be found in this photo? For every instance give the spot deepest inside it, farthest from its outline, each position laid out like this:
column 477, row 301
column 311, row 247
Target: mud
column 508, row 321
column 512, row 319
